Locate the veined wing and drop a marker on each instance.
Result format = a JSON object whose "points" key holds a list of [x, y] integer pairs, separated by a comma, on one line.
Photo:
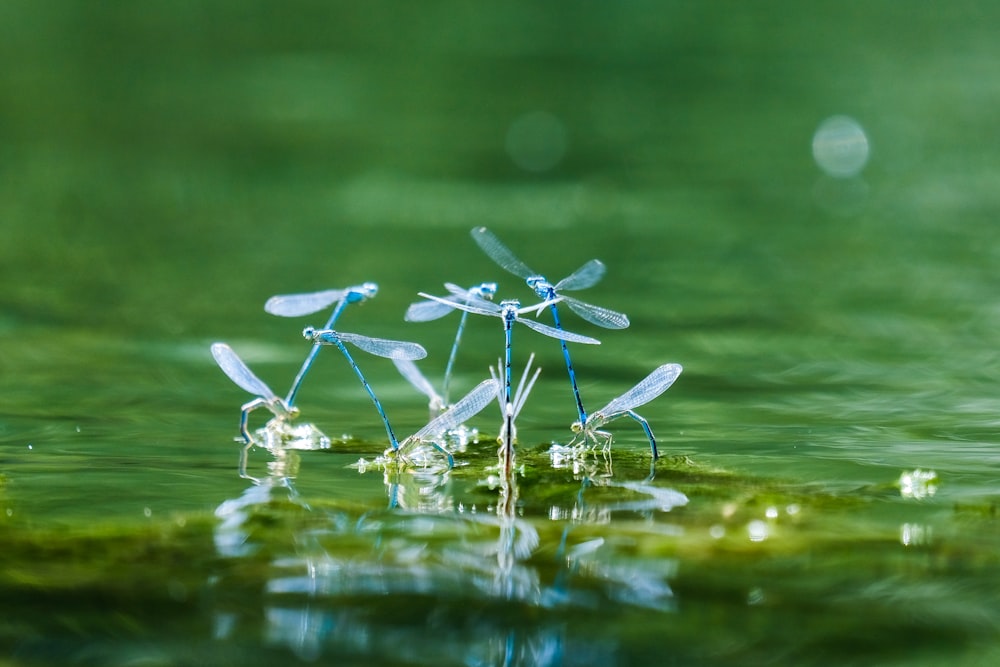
{"points": [[586, 276], [382, 347], [409, 370], [425, 311], [561, 334], [496, 374], [239, 372], [522, 391], [470, 405], [472, 305], [499, 253], [646, 390], [538, 307], [456, 291], [602, 317], [294, 305]]}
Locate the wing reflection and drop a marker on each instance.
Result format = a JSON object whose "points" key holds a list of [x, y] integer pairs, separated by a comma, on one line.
{"points": [[447, 573]]}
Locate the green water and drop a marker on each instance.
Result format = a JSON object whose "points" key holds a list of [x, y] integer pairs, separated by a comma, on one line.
{"points": [[167, 166]]}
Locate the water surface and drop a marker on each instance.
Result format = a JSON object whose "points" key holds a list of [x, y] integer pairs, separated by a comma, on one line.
{"points": [[167, 168]]}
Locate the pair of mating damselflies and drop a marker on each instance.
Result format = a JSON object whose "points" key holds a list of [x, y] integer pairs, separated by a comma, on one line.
{"points": [[287, 305], [292, 305], [474, 300], [511, 311], [480, 396], [240, 373]]}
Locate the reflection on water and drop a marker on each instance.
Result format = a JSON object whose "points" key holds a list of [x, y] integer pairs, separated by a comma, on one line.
{"points": [[279, 436], [398, 582], [833, 298]]}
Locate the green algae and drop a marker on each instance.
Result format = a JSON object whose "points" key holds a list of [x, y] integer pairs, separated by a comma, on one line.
{"points": [[724, 574]]}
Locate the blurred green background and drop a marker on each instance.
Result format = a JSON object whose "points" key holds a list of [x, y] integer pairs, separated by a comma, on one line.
{"points": [[165, 166], [154, 152]]}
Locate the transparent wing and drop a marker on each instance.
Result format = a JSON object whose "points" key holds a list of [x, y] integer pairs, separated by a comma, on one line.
{"points": [[471, 404], [425, 311], [521, 394], [381, 347], [499, 253], [409, 370], [472, 304], [496, 374], [294, 305], [602, 317], [456, 290], [649, 388], [586, 276], [239, 372], [561, 334], [538, 307]]}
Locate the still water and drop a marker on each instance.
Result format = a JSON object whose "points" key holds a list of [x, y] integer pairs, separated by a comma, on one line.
{"points": [[798, 204]]}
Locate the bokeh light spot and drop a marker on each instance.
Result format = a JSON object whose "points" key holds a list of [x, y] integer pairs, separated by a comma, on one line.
{"points": [[757, 530], [840, 147]]}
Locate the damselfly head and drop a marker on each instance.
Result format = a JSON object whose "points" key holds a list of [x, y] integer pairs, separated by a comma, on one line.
{"points": [[486, 290], [359, 293], [576, 427], [543, 288], [309, 333]]}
